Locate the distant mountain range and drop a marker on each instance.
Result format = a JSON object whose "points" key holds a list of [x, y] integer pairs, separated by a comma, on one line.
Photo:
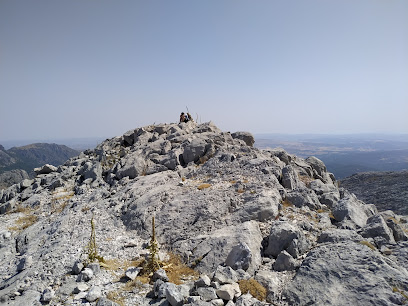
{"points": [[31, 156], [345, 155]]}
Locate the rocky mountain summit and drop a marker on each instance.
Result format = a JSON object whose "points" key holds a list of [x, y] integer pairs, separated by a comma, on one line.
{"points": [[387, 190], [18, 162], [249, 226]]}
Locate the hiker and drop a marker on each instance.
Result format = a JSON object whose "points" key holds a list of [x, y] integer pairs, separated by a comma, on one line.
{"points": [[189, 117], [184, 118]]}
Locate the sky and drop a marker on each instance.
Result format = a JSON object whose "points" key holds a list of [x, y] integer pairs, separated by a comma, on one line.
{"points": [[86, 68]]}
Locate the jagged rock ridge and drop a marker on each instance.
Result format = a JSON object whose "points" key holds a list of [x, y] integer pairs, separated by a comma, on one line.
{"points": [[230, 210]]}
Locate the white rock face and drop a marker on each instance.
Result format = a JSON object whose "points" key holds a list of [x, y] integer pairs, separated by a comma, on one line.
{"points": [[229, 210]]}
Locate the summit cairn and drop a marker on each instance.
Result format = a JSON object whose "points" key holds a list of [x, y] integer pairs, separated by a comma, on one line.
{"points": [[236, 225]]}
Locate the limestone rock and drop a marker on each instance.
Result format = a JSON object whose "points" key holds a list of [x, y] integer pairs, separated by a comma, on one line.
{"points": [[132, 272], [228, 291], [351, 209], [46, 169], [289, 178], [47, 295], [377, 227], [331, 275], [285, 262], [207, 293], [248, 138], [93, 294], [282, 237], [240, 257], [85, 275]]}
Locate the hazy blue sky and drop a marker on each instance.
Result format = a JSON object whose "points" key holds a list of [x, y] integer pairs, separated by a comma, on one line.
{"points": [[83, 68]]}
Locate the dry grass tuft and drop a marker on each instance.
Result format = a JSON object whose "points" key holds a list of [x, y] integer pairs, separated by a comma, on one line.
{"points": [[177, 271], [203, 186], [395, 289], [368, 244], [24, 222], [305, 179], [286, 203], [115, 296], [253, 287]]}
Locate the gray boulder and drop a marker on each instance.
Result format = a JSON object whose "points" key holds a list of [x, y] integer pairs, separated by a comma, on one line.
{"points": [[46, 169], [173, 295], [93, 294], [228, 292], [194, 150], [212, 249], [339, 235], [47, 295], [248, 138], [317, 165], [345, 273], [225, 275], [132, 272], [160, 274], [85, 275], [301, 198], [289, 178], [240, 257], [377, 227], [132, 167], [351, 209], [397, 231], [207, 293], [285, 262], [203, 281], [286, 236]]}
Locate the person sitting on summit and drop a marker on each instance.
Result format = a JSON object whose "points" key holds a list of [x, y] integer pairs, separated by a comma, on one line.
{"points": [[184, 118]]}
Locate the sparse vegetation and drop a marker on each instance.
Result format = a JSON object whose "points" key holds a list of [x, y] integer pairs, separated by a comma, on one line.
{"points": [[92, 249], [253, 287], [305, 179], [177, 271], [203, 186], [153, 263], [24, 222], [286, 203], [116, 297], [395, 289], [368, 244]]}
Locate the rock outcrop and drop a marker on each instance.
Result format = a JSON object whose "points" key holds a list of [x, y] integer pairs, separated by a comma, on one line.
{"points": [[230, 211]]}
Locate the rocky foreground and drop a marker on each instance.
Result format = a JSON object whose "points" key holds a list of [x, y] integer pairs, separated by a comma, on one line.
{"points": [[256, 227]]}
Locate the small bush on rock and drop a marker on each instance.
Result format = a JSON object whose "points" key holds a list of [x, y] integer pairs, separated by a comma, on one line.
{"points": [[253, 287]]}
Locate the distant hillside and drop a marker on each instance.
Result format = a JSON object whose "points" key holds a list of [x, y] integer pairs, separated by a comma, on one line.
{"points": [[387, 190], [345, 155], [34, 155], [348, 163]]}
